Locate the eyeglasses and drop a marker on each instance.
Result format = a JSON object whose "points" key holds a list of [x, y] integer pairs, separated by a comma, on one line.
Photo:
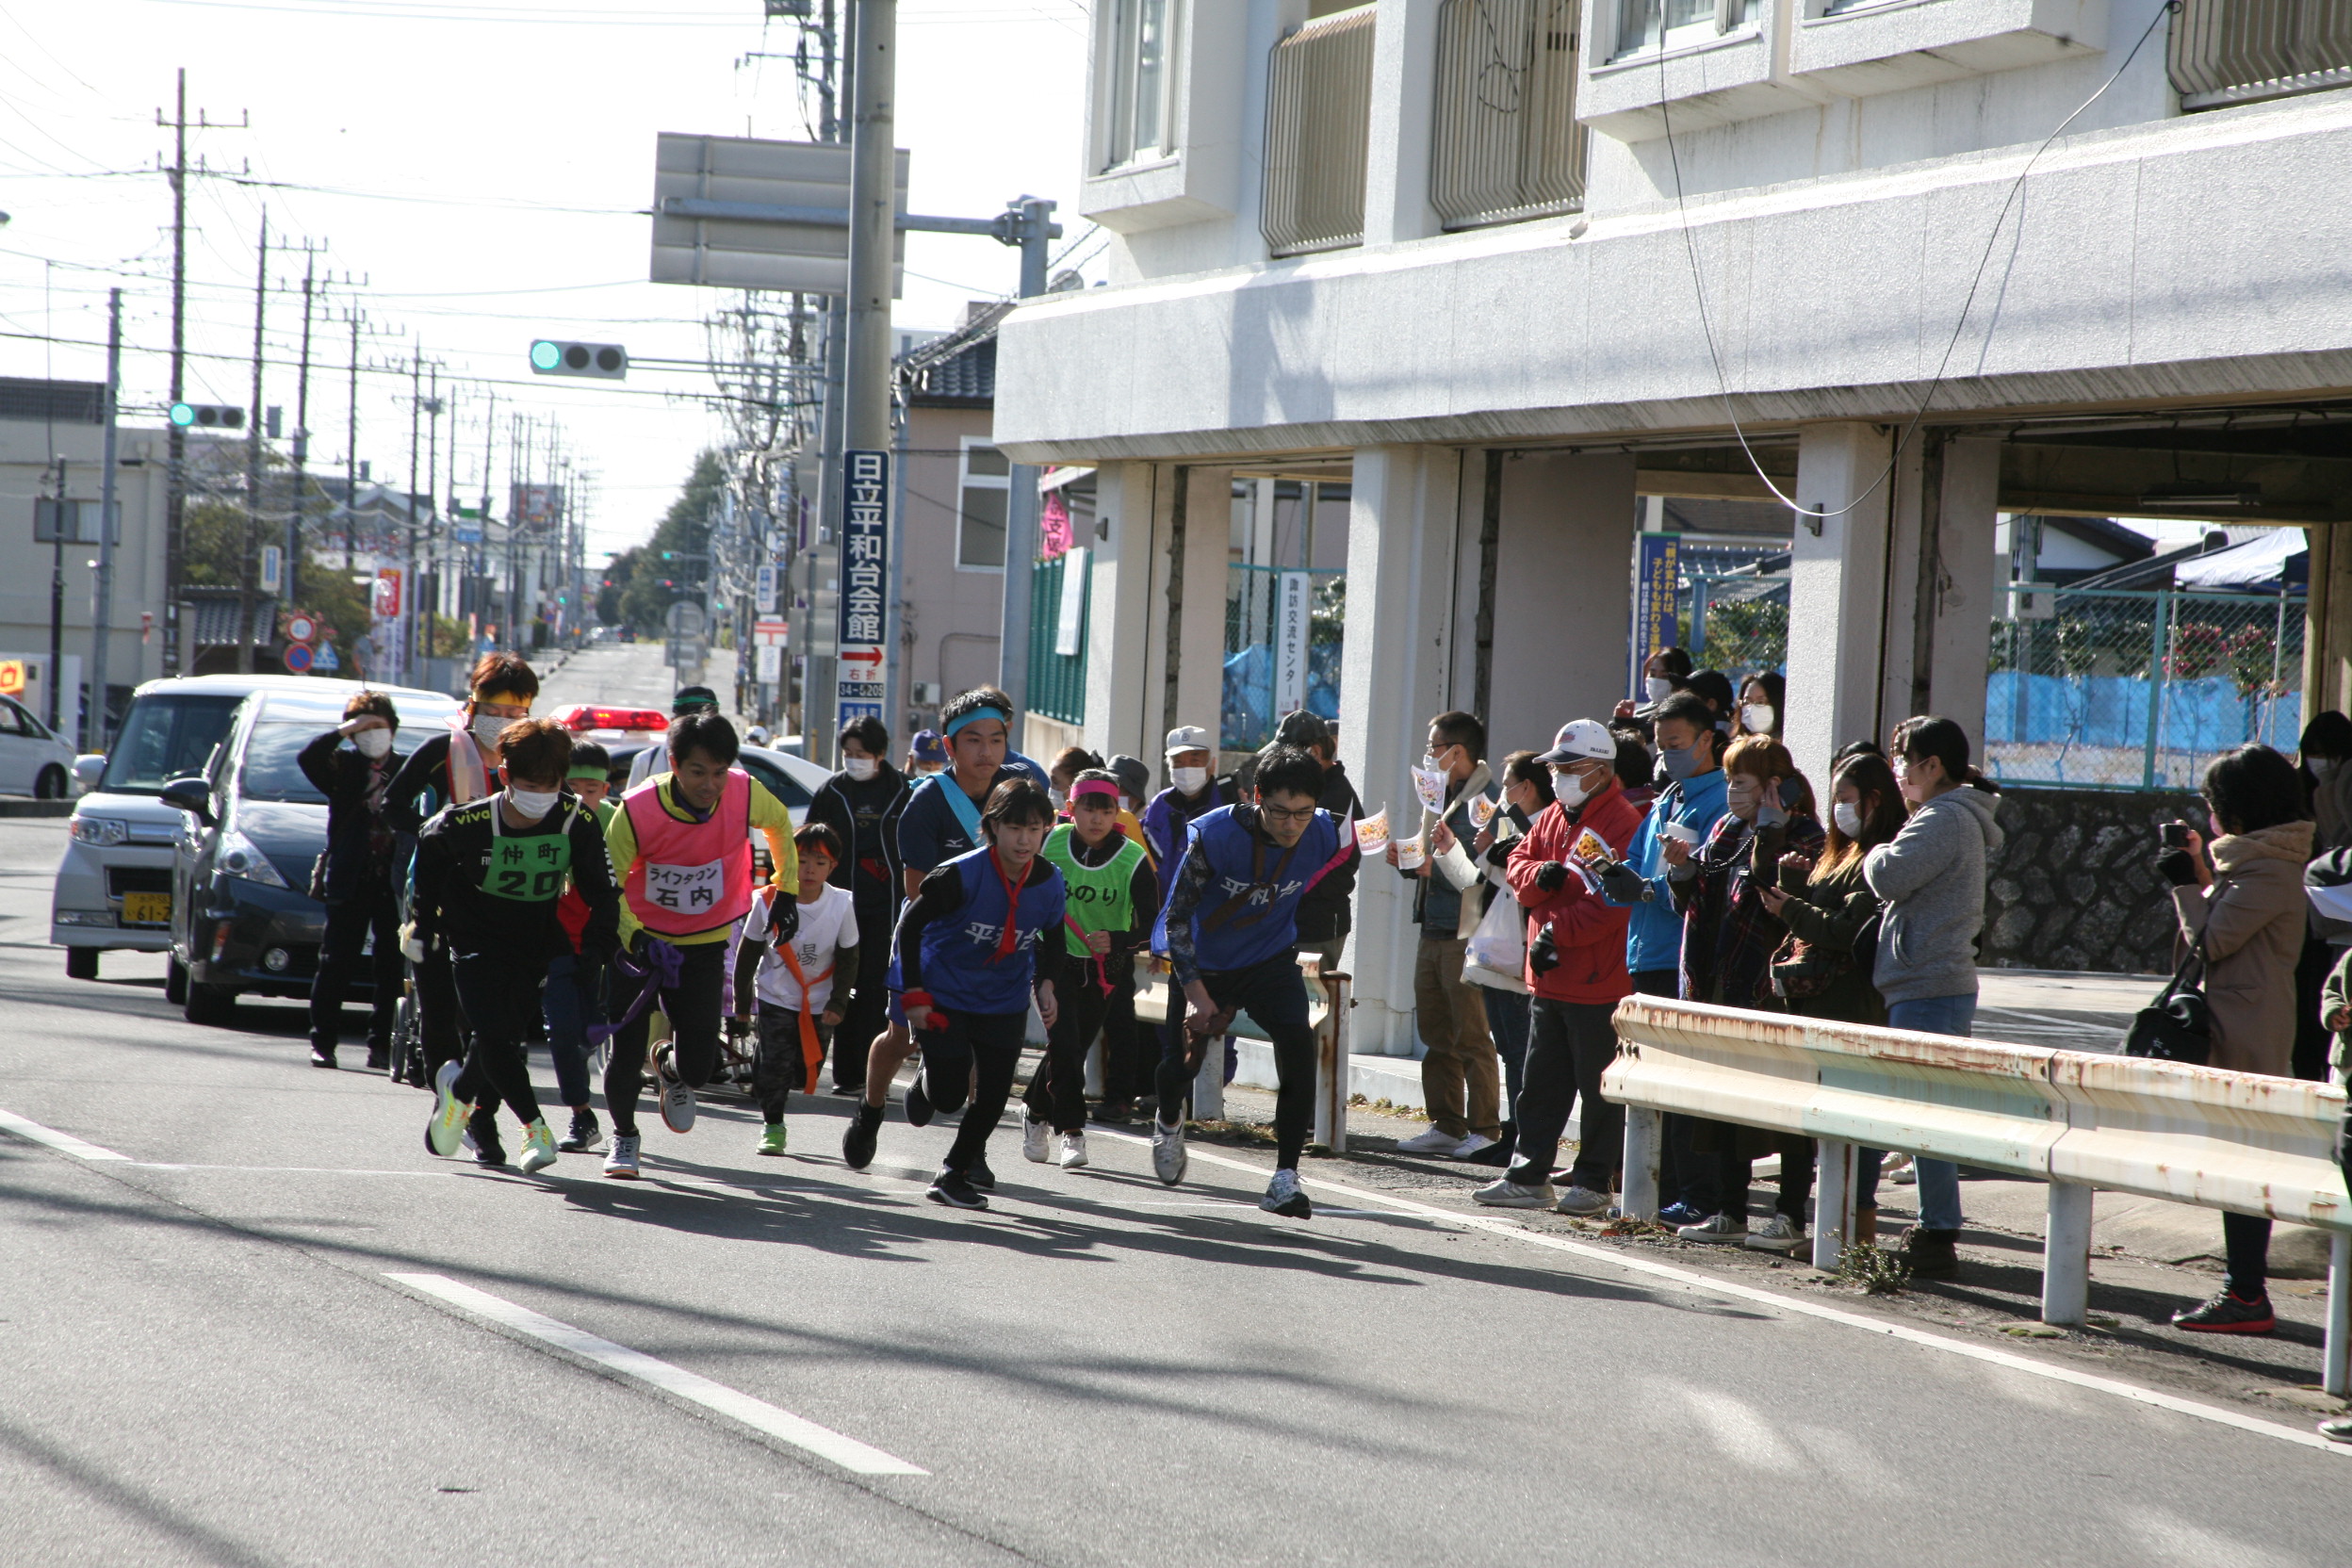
{"points": [[1284, 813]]}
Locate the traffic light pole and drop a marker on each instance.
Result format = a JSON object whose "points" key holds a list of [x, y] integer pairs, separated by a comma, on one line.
{"points": [[101, 608], [1022, 510]]}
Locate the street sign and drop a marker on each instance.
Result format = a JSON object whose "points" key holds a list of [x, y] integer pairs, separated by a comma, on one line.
{"points": [[300, 627], [465, 533], [1293, 630], [858, 687], [763, 590], [710, 174], [686, 619], [387, 593], [324, 660], [770, 666], [770, 634], [272, 563], [299, 658]]}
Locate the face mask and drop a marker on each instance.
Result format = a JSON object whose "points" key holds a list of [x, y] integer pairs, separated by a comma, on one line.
{"points": [[486, 728], [1757, 716], [2319, 765], [1188, 782], [1059, 798], [533, 803], [1680, 765], [1429, 761], [859, 768], [374, 745], [1848, 815], [1568, 788], [1658, 687]]}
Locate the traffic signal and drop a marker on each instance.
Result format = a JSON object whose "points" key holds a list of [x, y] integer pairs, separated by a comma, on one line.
{"points": [[207, 417], [607, 361]]}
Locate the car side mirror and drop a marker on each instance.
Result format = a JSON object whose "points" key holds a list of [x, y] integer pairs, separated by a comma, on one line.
{"points": [[192, 796], [89, 768]]}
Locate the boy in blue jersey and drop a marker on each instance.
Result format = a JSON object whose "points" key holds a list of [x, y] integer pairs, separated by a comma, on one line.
{"points": [[1229, 929], [981, 936]]}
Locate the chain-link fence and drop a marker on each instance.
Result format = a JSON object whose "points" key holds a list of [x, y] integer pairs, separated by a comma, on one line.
{"points": [[2117, 689], [1254, 651], [1738, 625]]}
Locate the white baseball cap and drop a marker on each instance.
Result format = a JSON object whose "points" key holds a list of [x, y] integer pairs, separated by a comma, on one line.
{"points": [[1581, 739], [1191, 737]]}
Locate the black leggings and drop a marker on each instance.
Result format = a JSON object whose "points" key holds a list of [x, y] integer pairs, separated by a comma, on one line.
{"points": [[348, 923], [988, 1041], [500, 994], [2245, 1242], [780, 1064], [1058, 1090], [693, 1007], [1274, 994], [864, 999]]}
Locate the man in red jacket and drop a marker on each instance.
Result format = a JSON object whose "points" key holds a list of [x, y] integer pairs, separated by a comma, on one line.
{"points": [[1571, 1039]]}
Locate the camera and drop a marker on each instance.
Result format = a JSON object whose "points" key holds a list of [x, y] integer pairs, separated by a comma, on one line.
{"points": [[2175, 835], [1543, 952]]}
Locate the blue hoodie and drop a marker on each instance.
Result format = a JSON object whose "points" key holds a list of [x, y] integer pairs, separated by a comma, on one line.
{"points": [[1655, 938]]}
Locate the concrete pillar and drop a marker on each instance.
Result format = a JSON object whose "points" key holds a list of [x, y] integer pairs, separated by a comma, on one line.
{"points": [[1941, 582], [1837, 590], [1121, 700], [2327, 622], [1563, 585], [1402, 555], [1195, 551], [1833, 1202], [1404, 104], [2066, 1255], [1644, 1139]]}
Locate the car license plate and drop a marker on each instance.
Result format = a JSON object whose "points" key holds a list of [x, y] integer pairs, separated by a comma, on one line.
{"points": [[146, 908]]}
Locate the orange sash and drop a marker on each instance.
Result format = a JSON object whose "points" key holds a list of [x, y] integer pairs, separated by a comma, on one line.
{"points": [[811, 1049]]}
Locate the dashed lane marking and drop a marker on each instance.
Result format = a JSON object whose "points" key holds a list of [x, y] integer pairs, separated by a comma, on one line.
{"points": [[63, 1142]]}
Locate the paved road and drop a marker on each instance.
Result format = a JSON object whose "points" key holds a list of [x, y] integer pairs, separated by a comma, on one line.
{"points": [[207, 1356], [626, 675]]}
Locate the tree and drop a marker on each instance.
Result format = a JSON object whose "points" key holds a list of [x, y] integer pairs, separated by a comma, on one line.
{"points": [[616, 581], [683, 533]]}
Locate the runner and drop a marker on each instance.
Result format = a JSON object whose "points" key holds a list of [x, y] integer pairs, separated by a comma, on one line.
{"points": [[680, 849], [1112, 896], [800, 975], [971, 951], [862, 804], [488, 875], [570, 1002], [1228, 931]]}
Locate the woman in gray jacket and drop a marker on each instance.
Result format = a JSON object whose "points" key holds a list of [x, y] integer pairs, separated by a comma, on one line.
{"points": [[1930, 881]]}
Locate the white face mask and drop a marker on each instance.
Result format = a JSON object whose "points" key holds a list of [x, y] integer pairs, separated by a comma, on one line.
{"points": [[486, 727], [2319, 765], [374, 745], [1429, 761], [533, 803], [1658, 687], [1188, 780], [1757, 716], [1848, 816], [859, 768], [1568, 788], [1059, 798]]}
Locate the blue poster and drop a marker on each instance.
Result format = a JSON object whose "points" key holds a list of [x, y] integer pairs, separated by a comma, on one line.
{"points": [[865, 576], [1655, 623]]}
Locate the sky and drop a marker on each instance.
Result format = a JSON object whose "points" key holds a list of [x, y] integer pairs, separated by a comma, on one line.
{"points": [[472, 175]]}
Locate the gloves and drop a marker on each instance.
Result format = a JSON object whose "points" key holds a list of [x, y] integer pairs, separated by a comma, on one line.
{"points": [[784, 918], [1551, 876], [1624, 885], [2175, 867], [412, 944]]}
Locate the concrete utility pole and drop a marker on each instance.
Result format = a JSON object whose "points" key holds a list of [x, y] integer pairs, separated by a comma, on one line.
{"points": [[1031, 228], [416, 406], [56, 600], [302, 452], [351, 462], [101, 608], [866, 362], [244, 629]]}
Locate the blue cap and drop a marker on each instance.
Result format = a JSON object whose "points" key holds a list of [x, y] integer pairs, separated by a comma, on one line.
{"points": [[928, 747]]}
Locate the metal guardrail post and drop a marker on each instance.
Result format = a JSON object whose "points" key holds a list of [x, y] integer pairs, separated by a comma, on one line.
{"points": [[2066, 1255], [1208, 1085], [1833, 1203], [1643, 1138], [2333, 1377], [1331, 1084]]}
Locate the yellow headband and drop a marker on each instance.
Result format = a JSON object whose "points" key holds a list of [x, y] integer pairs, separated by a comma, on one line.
{"points": [[510, 699]]}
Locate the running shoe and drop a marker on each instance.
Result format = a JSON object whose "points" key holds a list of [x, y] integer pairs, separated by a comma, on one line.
{"points": [[2228, 1314], [1441, 1143], [1514, 1194], [2338, 1429], [1723, 1230], [1283, 1196], [1777, 1233], [1037, 1140], [1073, 1150], [1472, 1146], [771, 1140], [447, 1129], [322, 1055], [1167, 1152], [677, 1101], [482, 1134], [980, 1175], [954, 1189], [1580, 1201], [860, 1136], [585, 1136], [621, 1164], [918, 1102], [1678, 1214], [538, 1148]]}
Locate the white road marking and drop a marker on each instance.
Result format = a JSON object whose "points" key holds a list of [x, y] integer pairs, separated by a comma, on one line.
{"points": [[283, 1169], [826, 1444], [1811, 1309], [64, 1142]]}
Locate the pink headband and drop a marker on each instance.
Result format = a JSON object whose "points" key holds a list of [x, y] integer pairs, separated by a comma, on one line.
{"points": [[1093, 787]]}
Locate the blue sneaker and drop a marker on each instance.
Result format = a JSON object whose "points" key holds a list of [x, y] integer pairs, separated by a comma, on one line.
{"points": [[1679, 1215]]}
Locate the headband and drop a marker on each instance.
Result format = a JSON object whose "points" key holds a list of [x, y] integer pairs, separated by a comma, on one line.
{"points": [[512, 699], [975, 716], [587, 770], [1093, 787]]}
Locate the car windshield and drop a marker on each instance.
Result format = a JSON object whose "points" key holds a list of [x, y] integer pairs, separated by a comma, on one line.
{"points": [[271, 772], [166, 735]]}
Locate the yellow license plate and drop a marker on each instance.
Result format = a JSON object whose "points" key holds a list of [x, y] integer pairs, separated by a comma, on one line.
{"points": [[146, 908]]}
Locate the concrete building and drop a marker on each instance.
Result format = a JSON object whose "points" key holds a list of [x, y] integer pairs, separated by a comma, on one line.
{"points": [[1512, 268]]}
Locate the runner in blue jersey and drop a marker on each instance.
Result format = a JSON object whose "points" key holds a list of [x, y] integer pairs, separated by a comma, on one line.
{"points": [[980, 937], [1228, 931]]}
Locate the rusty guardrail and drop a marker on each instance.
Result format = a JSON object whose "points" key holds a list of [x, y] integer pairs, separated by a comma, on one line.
{"points": [[2079, 1122]]}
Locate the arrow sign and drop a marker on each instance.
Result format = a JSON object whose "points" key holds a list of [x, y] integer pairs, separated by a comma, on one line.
{"points": [[863, 656]]}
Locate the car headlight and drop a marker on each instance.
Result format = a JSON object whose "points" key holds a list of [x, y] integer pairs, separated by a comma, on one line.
{"points": [[238, 856], [98, 831]]}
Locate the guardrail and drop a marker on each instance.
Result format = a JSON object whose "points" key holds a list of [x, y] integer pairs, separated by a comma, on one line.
{"points": [[1327, 1003], [2080, 1122]]}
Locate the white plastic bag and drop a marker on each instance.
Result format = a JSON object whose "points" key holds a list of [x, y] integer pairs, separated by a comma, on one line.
{"points": [[1496, 955]]}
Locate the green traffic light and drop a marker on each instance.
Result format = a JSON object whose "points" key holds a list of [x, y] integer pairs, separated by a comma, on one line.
{"points": [[182, 415], [546, 355]]}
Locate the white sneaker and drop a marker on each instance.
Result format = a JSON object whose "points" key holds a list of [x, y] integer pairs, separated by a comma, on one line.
{"points": [[1167, 1152], [1035, 1136], [1898, 1169], [1443, 1145], [1581, 1201], [538, 1148], [1073, 1150], [1514, 1194], [621, 1164], [447, 1128], [1729, 1230], [1475, 1143], [677, 1099], [1283, 1196], [1777, 1233]]}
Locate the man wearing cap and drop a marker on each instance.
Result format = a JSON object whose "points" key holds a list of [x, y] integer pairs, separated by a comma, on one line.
{"points": [[927, 754], [1191, 793], [690, 699], [1571, 1038], [1323, 911]]}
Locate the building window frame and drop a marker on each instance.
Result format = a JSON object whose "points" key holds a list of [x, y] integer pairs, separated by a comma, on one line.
{"points": [[980, 481], [1137, 96], [1680, 25]]}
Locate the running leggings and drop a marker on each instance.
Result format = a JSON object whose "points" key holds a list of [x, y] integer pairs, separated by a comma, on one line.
{"points": [[500, 995], [1274, 995], [1058, 1090], [693, 1007], [989, 1042]]}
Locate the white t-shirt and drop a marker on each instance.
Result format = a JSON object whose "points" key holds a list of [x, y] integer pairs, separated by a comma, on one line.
{"points": [[826, 926]]}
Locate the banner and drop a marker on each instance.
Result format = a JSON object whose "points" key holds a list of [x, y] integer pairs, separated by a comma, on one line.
{"points": [[1656, 625], [1293, 623], [1070, 614], [863, 646]]}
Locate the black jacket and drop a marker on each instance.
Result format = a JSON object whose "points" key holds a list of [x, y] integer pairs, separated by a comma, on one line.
{"points": [[361, 845], [1323, 909], [866, 816], [422, 785], [457, 850]]}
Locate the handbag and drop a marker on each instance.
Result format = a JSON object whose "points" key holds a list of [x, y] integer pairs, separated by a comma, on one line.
{"points": [[2179, 1026]]}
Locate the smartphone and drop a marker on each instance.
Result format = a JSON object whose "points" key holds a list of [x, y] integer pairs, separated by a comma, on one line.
{"points": [[2175, 835]]}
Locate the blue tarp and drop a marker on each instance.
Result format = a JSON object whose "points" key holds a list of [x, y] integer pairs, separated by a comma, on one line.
{"points": [[1248, 722], [2108, 713]]}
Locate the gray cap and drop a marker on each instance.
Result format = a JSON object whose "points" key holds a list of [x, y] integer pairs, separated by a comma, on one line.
{"points": [[1187, 737], [1133, 776]]}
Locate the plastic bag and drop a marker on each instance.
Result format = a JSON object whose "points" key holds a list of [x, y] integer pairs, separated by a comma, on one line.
{"points": [[1496, 955]]}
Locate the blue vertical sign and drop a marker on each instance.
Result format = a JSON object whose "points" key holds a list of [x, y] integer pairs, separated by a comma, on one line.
{"points": [[1656, 624], [858, 689]]}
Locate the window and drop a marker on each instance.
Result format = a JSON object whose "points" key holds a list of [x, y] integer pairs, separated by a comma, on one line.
{"points": [[1684, 22], [14, 720], [985, 492], [1140, 108], [164, 737]]}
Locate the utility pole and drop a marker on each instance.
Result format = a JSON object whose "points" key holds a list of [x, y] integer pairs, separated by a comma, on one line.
{"points": [[302, 449], [864, 478], [244, 630], [1031, 220], [102, 609], [416, 406], [351, 461], [57, 599]]}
